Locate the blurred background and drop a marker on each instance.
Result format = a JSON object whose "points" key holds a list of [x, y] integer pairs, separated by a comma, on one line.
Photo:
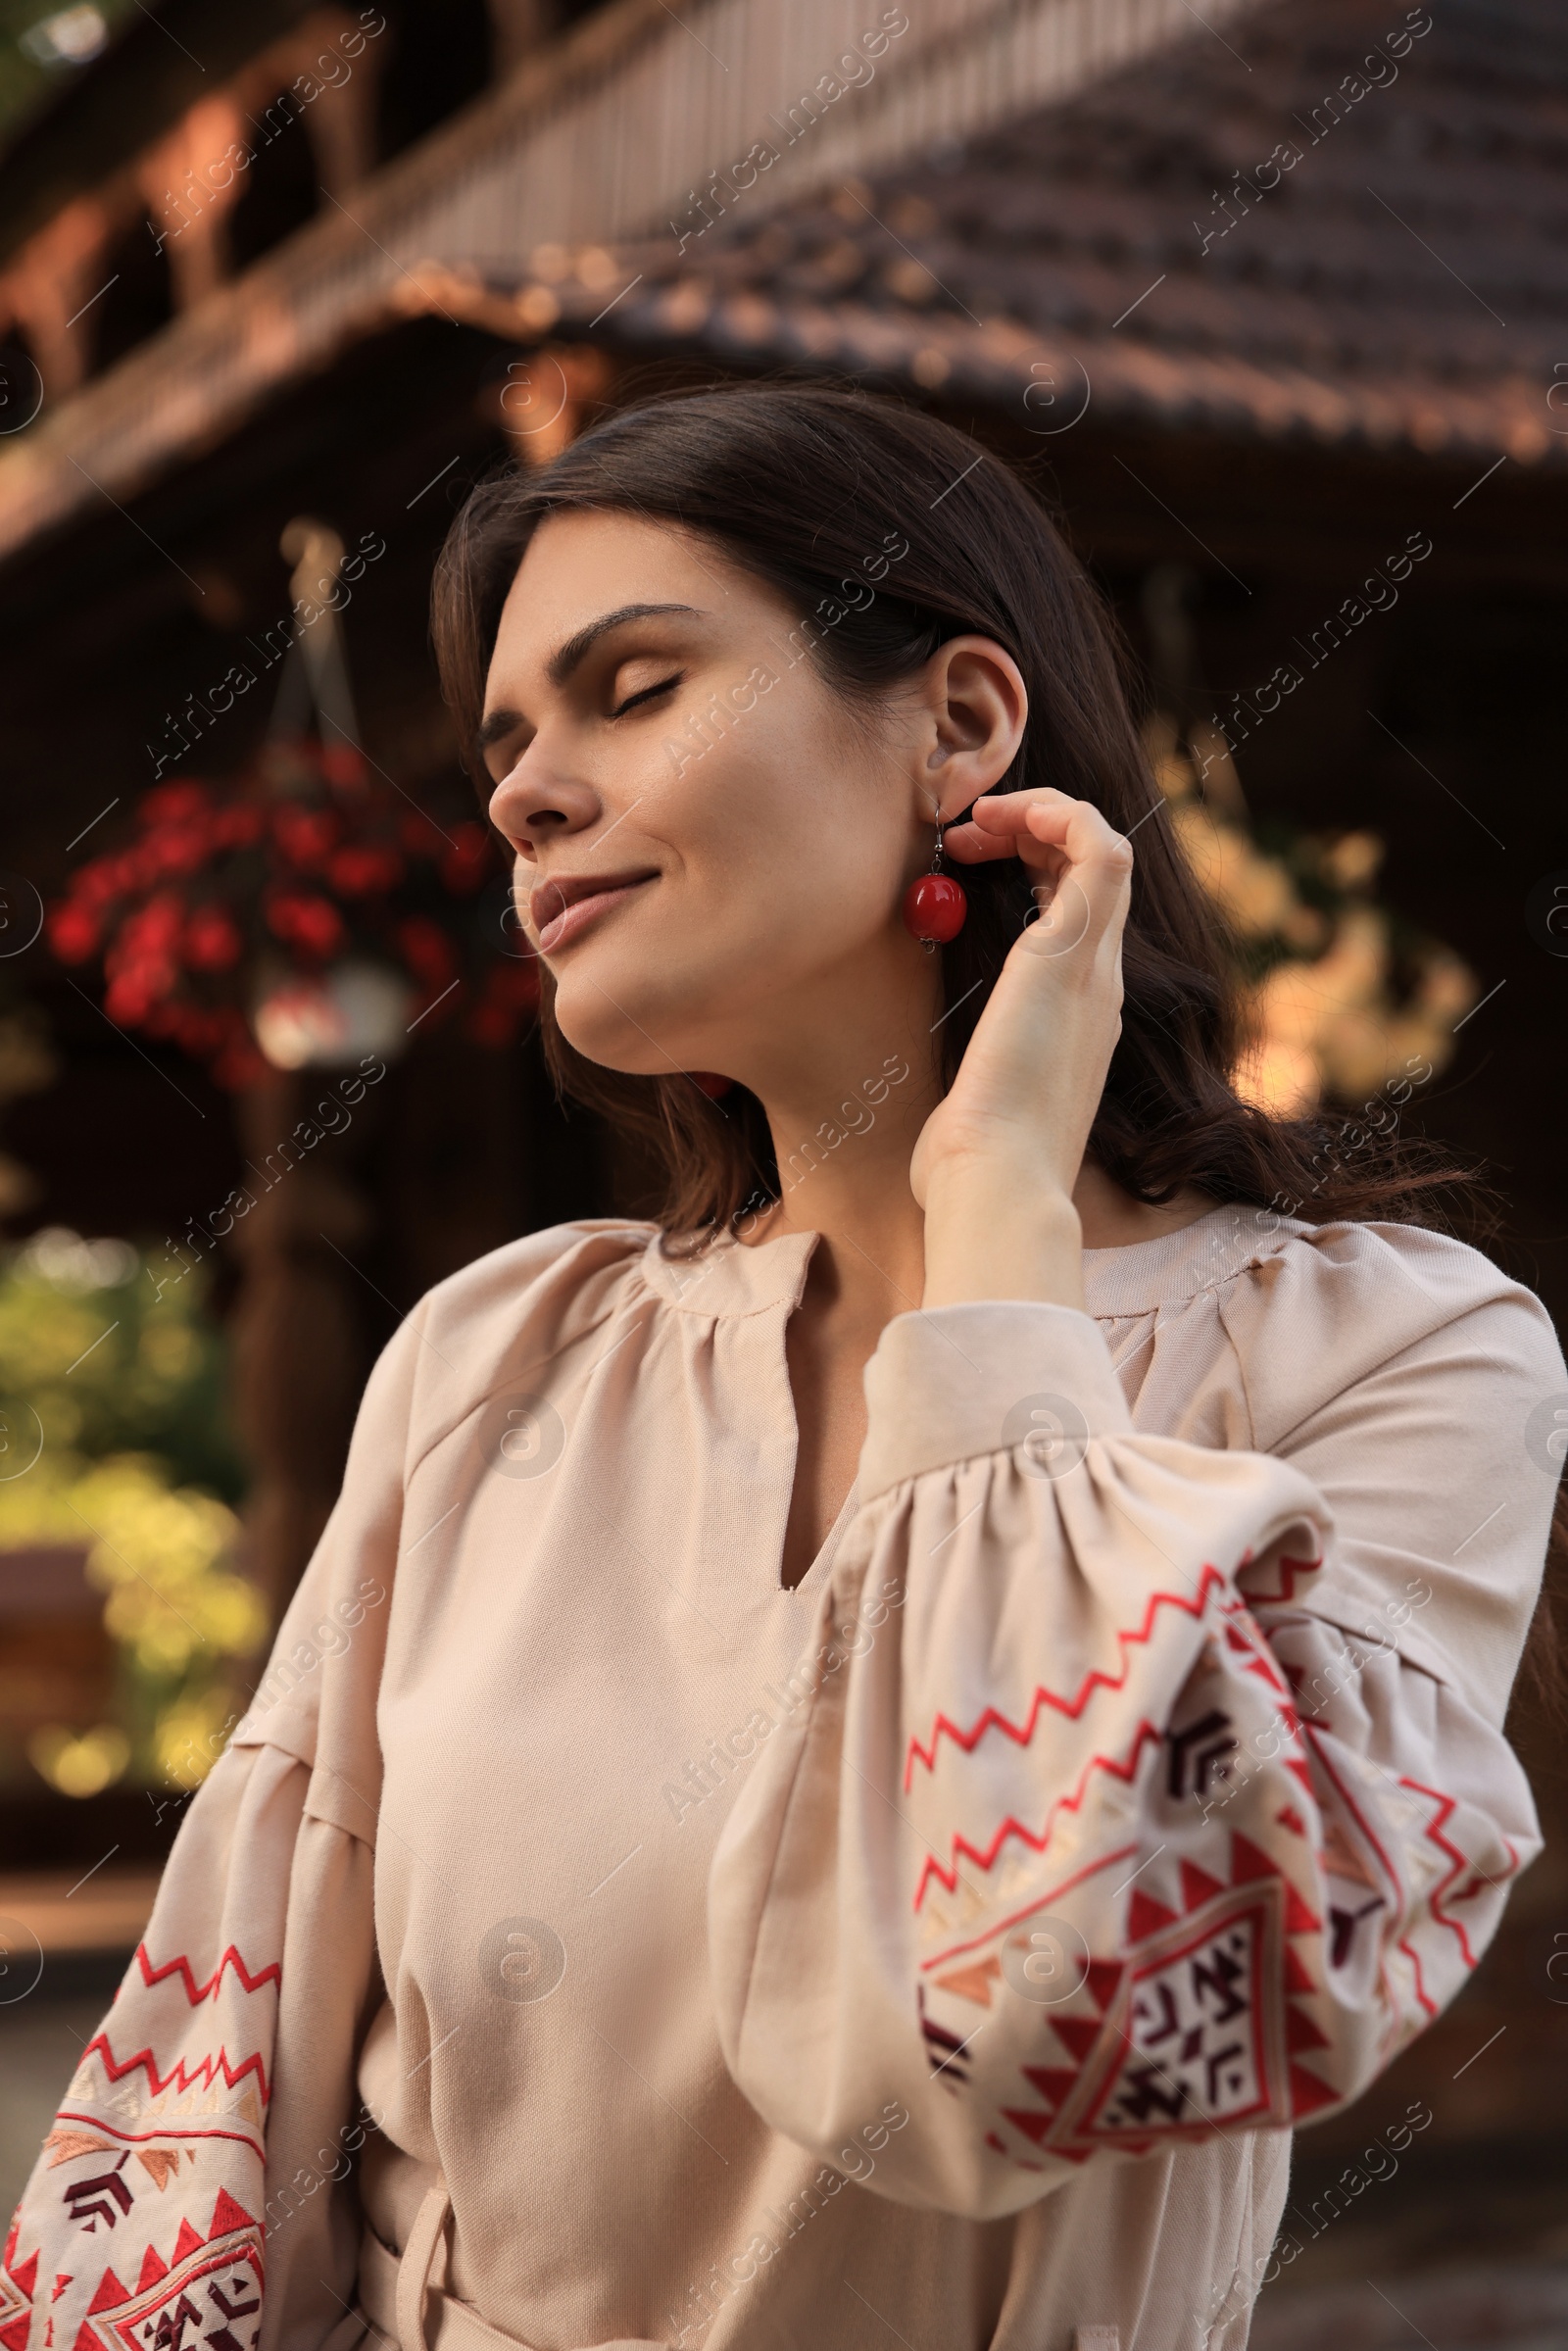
{"points": [[1267, 301]]}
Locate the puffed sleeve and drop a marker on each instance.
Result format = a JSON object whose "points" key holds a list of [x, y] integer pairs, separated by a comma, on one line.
{"points": [[205, 2143], [1090, 1833]]}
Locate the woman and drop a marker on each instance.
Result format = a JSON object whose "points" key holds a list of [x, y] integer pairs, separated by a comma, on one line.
{"points": [[851, 1759]]}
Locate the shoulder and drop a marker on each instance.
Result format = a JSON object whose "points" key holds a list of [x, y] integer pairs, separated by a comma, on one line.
{"points": [[548, 1272], [506, 1316], [1318, 1309], [502, 1318]]}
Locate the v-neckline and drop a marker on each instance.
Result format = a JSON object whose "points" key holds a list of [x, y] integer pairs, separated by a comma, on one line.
{"points": [[822, 1566]]}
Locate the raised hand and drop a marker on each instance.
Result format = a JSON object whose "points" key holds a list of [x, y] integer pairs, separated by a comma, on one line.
{"points": [[996, 1161]]}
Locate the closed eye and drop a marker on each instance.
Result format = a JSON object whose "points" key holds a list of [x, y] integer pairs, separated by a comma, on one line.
{"points": [[646, 694]]}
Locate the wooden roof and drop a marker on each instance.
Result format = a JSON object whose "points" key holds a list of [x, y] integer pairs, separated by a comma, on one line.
{"points": [[601, 136], [1147, 248], [1040, 204]]}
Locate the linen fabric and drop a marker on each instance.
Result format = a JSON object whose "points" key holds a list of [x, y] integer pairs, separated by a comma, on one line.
{"points": [[948, 1945]]}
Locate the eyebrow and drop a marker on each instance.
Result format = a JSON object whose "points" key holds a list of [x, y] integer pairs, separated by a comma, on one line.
{"points": [[569, 657]]}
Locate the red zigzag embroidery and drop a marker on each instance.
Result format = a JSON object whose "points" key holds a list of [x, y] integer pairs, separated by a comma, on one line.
{"points": [[1147, 1731], [195, 1994], [1094, 1680], [1289, 1569], [205, 2074], [1459, 1862], [1431, 1830]]}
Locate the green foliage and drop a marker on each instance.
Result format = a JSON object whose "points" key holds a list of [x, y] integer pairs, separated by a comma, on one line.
{"points": [[161, 1553], [112, 1361], [114, 1440]]}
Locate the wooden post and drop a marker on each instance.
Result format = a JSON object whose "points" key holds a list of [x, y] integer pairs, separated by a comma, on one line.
{"points": [[299, 1354]]}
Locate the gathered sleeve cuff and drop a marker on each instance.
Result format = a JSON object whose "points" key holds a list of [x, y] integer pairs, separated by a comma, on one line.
{"points": [[957, 1383], [1050, 1865]]}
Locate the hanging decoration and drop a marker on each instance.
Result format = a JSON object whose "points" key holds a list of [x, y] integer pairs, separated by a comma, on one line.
{"points": [[304, 913]]}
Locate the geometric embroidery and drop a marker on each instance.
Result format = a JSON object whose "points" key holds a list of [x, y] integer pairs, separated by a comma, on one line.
{"points": [[119, 2172], [1042, 1701], [16, 2295], [211, 2293], [973, 1983], [64, 2146], [102, 2198], [1195, 2034], [161, 2164], [1198, 2028], [1343, 1925], [943, 2049], [1201, 1749], [193, 2083], [196, 1992]]}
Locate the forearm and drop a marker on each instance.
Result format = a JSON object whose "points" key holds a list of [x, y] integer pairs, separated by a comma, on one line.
{"points": [[993, 1231]]}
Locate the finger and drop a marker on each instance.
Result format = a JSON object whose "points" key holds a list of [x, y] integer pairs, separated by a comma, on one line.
{"points": [[971, 847], [1048, 830], [1076, 826], [1085, 897], [1001, 808], [999, 826], [1084, 838], [1084, 910], [1008, 812]]}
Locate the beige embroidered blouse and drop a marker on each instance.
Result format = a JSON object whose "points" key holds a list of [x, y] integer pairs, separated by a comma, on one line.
{"points": [[939, 1951]]}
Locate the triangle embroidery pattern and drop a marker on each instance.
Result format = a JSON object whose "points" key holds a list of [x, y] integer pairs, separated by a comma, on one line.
{"points": [[1196, 2029], [209, 2291], [973, 1983], [17, 2281]]}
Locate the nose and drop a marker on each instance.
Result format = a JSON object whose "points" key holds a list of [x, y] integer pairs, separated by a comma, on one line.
{"points": [[535, 802]]}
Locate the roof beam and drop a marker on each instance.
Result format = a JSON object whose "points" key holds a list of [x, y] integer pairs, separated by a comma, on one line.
{"points": [[604, 135]]}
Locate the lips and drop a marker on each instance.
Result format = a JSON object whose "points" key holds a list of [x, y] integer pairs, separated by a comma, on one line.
{"points": [[562, 907]]}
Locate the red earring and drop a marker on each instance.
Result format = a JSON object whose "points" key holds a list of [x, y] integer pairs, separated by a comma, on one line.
{"points": [[935, 905]]}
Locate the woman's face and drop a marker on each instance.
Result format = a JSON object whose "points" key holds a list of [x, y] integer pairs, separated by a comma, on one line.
{"points": [[710, 852]]}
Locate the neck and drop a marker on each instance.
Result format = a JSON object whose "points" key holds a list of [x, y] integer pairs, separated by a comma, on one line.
{"points": [[843, 1173], [843, 1138]]}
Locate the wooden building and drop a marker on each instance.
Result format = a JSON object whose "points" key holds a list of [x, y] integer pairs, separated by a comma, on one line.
{"points": [[1261, 301]]}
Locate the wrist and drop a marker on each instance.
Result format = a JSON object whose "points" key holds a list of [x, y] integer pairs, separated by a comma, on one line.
{"points": [[995, 1233]]}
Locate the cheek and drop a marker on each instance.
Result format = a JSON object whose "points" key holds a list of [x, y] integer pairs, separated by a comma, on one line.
{"points": [[781, 854], [803, 838]]}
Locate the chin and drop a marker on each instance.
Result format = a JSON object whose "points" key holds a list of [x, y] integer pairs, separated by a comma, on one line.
{"points": [[620, 1022]]}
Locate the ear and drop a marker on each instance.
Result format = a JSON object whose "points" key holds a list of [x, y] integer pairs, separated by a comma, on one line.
{"points": [[975, 707]]}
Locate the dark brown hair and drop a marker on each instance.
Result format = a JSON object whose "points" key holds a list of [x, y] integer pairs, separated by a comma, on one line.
{"points": [[889, 532], [826, 495]]}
